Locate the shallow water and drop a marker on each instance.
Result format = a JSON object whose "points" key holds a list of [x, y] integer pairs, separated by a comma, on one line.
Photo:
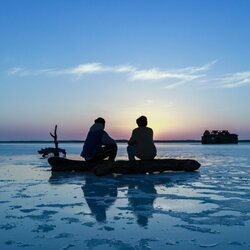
{"points": [[209, 208]]}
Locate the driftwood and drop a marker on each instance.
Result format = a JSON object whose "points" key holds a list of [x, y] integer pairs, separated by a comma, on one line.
{"points": [[46, 151], [143, 167], [54, 136], [123, 167], [55, 151]]}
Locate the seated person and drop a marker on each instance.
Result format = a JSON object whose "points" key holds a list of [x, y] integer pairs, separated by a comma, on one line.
{"points": [[98, 144], [141, 143]]}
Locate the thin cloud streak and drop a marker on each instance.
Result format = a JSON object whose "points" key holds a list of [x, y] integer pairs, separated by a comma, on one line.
{"points": [[157, 74], [235, 80], [205, 67], [25, 72], [99, 68], [183, 74], [176, 76], [82, 69]]}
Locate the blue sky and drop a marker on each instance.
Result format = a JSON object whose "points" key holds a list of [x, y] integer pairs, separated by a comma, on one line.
{"points": [[183, 64]]}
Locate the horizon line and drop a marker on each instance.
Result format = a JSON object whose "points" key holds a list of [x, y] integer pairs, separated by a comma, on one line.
{"points": [[118, 141]]}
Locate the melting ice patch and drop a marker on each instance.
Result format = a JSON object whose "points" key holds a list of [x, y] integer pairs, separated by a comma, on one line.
{"points": [[183, 205]]}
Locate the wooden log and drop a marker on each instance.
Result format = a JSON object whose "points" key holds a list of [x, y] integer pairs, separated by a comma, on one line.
{"points": [[143, 167], [59, 164], [123, 167]]}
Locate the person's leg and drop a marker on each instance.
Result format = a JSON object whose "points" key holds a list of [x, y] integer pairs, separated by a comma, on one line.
{"points": [[131, 152], [109, 151]]}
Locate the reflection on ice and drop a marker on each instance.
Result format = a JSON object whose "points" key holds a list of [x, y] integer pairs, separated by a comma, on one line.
{"points": [[99, 196]]}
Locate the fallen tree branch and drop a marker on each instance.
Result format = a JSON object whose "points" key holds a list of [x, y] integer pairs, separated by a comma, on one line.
{"points": [[55, 151]]}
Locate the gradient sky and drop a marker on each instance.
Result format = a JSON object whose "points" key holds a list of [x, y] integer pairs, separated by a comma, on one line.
{"points": [[185, 64]]}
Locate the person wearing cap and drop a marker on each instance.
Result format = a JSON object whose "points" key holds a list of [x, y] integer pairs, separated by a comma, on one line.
{"points": [[98, 144], [141, 142]]}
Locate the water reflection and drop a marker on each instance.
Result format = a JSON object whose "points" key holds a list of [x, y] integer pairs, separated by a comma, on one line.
{"points": [[200, 202], [99, 195], [141, 197], [140, 191], [67, 178]]}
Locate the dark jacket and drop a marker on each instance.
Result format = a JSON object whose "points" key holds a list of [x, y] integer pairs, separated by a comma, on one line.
{"points": [[96, 138]]}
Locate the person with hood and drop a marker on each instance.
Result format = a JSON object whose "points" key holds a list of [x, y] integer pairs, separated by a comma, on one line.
{"points": [[98, 144], [141, 142]]}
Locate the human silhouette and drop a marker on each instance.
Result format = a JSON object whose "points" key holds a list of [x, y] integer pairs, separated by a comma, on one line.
{"points": [[99, 194], [98, 144], [141, 142], [141, 197]]}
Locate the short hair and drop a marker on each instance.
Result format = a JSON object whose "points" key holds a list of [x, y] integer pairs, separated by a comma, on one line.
{"points": [[142, 121], [100, 120]]}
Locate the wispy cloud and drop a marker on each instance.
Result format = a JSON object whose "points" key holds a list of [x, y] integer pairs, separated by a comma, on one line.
{"points": [[176, 76], [82, 69], [26, 72], [203, 68], [98, 68], [172, 78], [157, 74], [182, 74], [235, 80], [149, 102]]}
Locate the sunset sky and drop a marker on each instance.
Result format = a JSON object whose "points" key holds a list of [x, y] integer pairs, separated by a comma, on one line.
{"points": [[185, 64]]}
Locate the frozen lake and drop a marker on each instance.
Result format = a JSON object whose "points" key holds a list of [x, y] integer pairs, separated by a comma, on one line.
{"points": [[209, 208]]}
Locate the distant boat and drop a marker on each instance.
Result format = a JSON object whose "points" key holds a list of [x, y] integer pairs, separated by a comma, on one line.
{"points": [[219, 137]]}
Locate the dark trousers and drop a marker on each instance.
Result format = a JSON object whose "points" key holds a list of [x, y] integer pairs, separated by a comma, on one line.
{"points": [[109, 151]]}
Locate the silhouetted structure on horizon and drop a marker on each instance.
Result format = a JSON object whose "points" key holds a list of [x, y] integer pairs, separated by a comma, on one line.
{"points": [[219, 137]]}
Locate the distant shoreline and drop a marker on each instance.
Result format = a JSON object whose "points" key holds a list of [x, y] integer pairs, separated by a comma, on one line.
{"points": [[118, 141]]}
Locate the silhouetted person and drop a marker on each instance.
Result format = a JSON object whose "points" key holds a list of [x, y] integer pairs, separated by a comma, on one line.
{"points": [[98, 144], [141, 143], [141, 198], [99, 194]]}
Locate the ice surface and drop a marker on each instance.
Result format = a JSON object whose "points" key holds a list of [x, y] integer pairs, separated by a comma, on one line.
{"points": [[208, 209]]}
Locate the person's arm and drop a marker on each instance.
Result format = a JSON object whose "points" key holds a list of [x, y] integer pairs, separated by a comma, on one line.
{"points": [[107, 140], [152, 134], [132, 140]]}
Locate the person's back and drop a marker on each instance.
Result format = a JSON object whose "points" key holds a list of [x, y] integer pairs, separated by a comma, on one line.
{"points": [[141, 143], [143, 138], [93, 142], [98, 144]]}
